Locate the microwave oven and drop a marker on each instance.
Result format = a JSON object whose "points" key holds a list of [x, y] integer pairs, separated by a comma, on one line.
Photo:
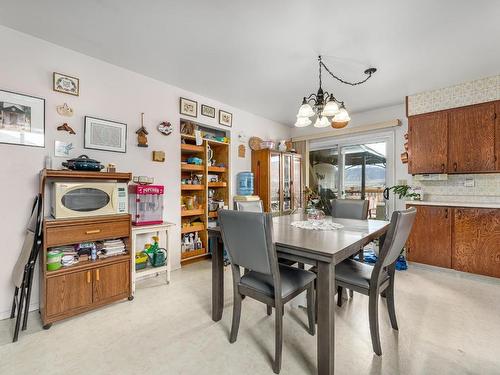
{"points": [[81, 199]]}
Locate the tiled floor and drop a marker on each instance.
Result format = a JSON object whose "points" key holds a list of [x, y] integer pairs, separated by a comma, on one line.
{"points": [[449, 324]]}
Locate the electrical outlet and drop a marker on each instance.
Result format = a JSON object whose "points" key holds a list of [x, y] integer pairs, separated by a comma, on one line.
{"points": [[469, 182]]}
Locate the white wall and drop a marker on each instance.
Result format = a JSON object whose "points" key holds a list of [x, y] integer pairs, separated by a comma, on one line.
{"points": [[109, 92], [371, 117]]}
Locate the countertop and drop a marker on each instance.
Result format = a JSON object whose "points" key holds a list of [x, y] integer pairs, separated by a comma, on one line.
{"points": [[456, 204]]}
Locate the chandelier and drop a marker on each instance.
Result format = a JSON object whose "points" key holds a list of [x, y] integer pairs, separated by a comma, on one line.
{"points": [[323, 108]]}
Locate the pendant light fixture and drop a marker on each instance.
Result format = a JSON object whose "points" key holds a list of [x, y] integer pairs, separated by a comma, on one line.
{"points": [[322, 108]]}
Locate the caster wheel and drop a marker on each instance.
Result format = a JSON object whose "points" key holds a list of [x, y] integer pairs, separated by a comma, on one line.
{"points": [[47, 326], [130, 298]]}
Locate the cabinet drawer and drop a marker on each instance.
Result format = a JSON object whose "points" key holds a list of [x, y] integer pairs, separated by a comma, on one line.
{"points": [[74, 233]]}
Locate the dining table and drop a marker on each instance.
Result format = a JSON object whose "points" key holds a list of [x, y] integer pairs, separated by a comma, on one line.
{"points": [[321, 248]]}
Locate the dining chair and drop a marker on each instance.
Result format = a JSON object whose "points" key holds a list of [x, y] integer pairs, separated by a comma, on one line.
{"points": [[247, 237], [258, 206], [373, 280]]}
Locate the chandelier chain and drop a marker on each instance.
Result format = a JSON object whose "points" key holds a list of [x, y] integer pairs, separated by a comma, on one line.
{"points": [[340, 79]]}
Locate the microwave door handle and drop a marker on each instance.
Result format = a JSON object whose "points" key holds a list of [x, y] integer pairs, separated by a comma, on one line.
{"points": [[114, 198]]}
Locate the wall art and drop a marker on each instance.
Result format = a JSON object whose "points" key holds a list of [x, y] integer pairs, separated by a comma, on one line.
{"points": [[65, 127], [188, 107], [63, 149], [165, 128], [207, 111], [105, 135], [142, 139], [65, 110], [65, 84], [22, 119], [225, 118]]}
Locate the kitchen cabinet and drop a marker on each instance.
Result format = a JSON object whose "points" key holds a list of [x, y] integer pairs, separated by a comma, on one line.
{"points": [[430, 239], [69, 292], [111, 282], [476, 241], [459, 140], [428, 143], [277, 179], [472, 139]]}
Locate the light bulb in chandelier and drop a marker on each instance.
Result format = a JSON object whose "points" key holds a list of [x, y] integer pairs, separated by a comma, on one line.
{"points": [[303, 122], [321, 122]]}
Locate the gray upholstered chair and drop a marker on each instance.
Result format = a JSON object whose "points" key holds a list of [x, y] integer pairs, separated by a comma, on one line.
{"points": [[350, 208], [249, 206], [373, 280], [247, 237]]}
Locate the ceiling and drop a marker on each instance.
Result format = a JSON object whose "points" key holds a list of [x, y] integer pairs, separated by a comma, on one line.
{"points": [[261, 56]]}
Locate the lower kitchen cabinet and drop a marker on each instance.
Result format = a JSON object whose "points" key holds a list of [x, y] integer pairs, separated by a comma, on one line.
{"points": [[111, 282], [465, 239], [476, 241], [69, 292], [430, 238]]}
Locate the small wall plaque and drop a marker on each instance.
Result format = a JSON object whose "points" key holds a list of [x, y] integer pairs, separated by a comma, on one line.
{"points": [[159, 156]]}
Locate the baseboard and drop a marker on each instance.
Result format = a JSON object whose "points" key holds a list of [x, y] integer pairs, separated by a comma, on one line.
{"points": [[6, 314]]}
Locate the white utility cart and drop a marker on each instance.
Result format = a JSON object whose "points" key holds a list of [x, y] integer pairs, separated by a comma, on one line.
{"points": [[160, 230]]}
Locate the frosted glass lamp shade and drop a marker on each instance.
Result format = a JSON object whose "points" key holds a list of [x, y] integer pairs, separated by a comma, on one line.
{"points": [[321, 122], [303, 122], [305, 110], [331, 109], [342, 116]]}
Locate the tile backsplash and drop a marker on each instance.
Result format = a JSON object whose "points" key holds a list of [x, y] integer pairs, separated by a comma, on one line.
{"points": [[486, 188]]}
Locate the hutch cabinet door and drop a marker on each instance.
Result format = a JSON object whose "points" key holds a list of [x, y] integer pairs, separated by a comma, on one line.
{"points": [[430, 238], [472, 139], [297, 182], [287, 183], [111, 281], [476, 245], [68, 292], [497, 133], [275, 181], [428, 143]]}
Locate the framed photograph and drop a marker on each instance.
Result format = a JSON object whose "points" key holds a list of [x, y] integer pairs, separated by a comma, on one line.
{"points": [[225, 118], [105, 135], [207, 111], [188, 107], [66, 84], [22, 119]]}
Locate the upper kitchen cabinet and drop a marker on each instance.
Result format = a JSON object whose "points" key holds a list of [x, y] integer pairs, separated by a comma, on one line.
{"points": [[472, 139], [428, 143], [459, 140]]}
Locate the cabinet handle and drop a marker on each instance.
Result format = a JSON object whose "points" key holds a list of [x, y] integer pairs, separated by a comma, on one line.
{"points": [[455, 166], [442, 167], [446, 213], [93, 231], [88, 277], [97, 274]]}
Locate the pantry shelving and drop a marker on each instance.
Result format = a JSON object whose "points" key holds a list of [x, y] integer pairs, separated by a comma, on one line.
{"points": [[201, 183]]}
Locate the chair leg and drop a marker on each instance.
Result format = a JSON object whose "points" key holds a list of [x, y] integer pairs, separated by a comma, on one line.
{"points": [[279, 337], [351, 293], [236, 315], [311, 310], [269, 310], [14, 303], [339, 296], [28, 298], [19, 311], [390, 305], [373, 317], [316, 300]]}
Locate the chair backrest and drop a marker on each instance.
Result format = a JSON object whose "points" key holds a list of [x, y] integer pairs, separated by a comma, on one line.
{"points": [[249, 206], [350, 208], [395, 239], [247, 237]]}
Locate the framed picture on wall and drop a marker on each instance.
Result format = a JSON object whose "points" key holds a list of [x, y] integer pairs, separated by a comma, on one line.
{"points": [[66, 84], [207, 111], [22, 119], [225, 118], [188, 107], [105, 135]]}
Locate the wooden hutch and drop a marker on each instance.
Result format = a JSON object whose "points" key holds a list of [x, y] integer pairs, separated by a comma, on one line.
{"points": [[278, 179]]}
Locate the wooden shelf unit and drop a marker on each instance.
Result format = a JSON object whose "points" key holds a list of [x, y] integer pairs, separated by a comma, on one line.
{"points": [[200, 216], [86, 285]]}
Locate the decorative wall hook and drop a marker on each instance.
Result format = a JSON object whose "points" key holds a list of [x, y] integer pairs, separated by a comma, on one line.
{"points": [[65, 110]]}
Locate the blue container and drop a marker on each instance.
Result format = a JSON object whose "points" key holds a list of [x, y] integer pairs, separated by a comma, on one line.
{"points": [[245, 183]]}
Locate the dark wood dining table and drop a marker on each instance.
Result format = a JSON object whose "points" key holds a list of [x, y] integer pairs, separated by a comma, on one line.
{"points": [[321, 248]]}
